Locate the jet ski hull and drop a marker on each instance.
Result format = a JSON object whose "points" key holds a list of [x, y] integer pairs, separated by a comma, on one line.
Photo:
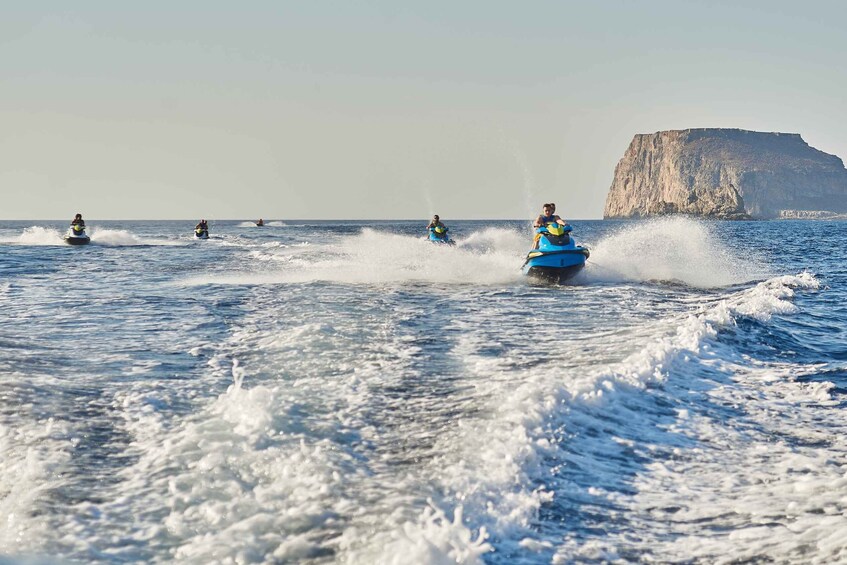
{"points": [[201, 235], [77, 240], [442, 239], [557, 258], [77, 237], [553, 275], [557, 266]]}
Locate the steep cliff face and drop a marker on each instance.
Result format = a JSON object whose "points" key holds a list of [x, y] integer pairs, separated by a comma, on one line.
{"points": [[725, 173]]}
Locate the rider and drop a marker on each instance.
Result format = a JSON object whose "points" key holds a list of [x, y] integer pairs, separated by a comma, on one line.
{"points": [[78, 221], [202, 226], [547, 216], [436, 223]]}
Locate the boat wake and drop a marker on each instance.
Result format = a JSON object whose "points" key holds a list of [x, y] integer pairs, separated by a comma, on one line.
{"points": [[414, 402], [124, 238], [676, 250], [491, 257], [521, 439], [38, 235]]}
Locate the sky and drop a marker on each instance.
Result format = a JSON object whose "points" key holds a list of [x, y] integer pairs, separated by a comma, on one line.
{"points": [[387, 109]]}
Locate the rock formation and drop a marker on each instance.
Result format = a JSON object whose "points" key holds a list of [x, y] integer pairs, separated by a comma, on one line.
{"points": [[725, 173]]}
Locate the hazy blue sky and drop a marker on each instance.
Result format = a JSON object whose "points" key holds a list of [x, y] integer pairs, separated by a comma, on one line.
{"points": [[389, 109]]}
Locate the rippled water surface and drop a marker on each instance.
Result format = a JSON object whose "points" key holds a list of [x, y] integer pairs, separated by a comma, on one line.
{"points": [[346, 392]]}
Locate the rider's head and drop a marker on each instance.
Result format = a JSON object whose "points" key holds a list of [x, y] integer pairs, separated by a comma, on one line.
{"points": [[548, 209], [78, 217]]}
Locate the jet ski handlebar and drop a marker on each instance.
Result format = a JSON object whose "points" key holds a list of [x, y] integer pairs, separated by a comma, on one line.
{"points": [[554, 228]]}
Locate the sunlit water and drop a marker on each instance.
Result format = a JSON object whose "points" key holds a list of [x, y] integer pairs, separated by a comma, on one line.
{"points": [[350, 393]]}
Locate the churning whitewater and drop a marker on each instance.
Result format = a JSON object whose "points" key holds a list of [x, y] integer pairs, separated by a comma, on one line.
{"points": [[348, 392]]}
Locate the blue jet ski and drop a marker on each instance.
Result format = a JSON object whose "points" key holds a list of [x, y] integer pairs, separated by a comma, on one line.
{"points": [[557, 258], [200, 233], [438, 234], [76, 235]]}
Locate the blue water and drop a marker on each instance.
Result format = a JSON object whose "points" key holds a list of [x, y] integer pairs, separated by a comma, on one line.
{"points": [[346, 392]]}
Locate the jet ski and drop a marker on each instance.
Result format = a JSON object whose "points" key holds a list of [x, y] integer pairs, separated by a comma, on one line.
{"points": [[557, 257], [260, 222], [200, 233], [438, 234], [76, 235]]}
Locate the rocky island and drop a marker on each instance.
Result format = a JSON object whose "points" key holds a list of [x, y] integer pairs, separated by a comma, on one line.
{"points": [[727, 174]]}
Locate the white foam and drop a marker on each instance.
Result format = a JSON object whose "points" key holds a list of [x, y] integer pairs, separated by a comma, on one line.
{"points": [[372, 257], [267, 470], [497, 241], [432, 538], [495, 461], [32, 457], [232, 482], [38, 235], [672, 249], [500, 480], [274, 224], [669, 249], [288, 463], [118, 238], [764, 483]]}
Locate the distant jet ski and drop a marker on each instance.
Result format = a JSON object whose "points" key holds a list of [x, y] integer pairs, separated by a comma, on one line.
{"points": [[76, 235], [200, 233], [438, 234], [260, 222], [557, 257]]}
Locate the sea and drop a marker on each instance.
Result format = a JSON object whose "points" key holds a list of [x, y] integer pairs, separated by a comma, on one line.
{"points": [[347, 392]]}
